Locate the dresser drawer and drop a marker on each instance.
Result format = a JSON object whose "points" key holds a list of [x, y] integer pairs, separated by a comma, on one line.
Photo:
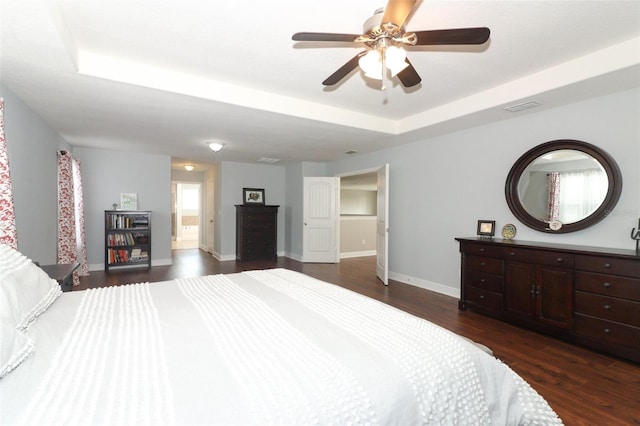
{"points": [[484, 281], [481, 297], [608, 285], [488, 265], [481, 249], [607, 331], [565, 260], [610, 308], [607, 265]]}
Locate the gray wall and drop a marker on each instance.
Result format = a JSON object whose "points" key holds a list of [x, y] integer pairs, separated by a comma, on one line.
{"points": [[235, 176], [295, 174], [106, 174], [32, 149], [461, 178]]}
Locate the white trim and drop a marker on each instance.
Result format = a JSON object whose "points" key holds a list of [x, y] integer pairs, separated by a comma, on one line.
{"points": [[161, 262], [349, 254], [427, 285], [358, 217], [158, 262], [293, 256]]}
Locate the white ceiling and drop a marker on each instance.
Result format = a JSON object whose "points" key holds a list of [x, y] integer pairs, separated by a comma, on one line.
{"points": [[228, 70]]}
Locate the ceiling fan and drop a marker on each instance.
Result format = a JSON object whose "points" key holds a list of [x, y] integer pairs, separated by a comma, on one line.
{"points": [[384, 35]]}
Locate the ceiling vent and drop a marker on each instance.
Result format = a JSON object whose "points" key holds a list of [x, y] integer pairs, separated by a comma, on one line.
{"points": [[268, 160], [523, 106], [351, 152]]}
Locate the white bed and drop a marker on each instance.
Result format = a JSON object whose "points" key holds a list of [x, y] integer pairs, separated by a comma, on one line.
{"points": [[261, 347]]}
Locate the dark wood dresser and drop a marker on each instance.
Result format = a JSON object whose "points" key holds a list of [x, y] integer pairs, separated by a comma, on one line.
{"points": [[256, 232], [585, 295]]}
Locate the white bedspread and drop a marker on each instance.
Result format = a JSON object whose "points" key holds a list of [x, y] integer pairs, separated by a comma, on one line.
{"points": [[261, 347]]}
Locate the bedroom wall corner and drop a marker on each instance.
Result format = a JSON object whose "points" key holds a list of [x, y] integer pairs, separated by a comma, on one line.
{"points": [[461, 177], [148, 175], [31, 148]]}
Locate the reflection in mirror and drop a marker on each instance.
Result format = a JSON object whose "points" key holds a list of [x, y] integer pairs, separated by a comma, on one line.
{"points": [[564, 185]]}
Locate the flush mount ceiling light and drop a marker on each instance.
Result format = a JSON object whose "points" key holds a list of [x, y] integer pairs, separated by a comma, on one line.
{"points": [[188, 167], [215, 146]]}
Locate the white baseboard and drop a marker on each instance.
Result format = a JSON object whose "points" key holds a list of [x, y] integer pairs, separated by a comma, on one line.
{"points": [[158, 262], [349, 254], [427, 285], [161, 262], [293, 256]]}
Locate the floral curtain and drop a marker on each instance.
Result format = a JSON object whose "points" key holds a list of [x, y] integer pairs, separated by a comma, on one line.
{"points": [[71, 237], [8, 232], [553, 203]]}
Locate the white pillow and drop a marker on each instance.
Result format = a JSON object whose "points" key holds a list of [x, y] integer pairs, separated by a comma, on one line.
{"points": [[15, 347], [26, 291]]}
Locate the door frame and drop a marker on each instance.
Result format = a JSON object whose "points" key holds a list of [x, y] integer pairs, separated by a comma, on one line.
{"points": [[174, 208], [362, 172]]}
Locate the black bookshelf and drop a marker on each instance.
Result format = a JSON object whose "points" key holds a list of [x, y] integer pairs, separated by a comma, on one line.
{"points": [[127, 239]]}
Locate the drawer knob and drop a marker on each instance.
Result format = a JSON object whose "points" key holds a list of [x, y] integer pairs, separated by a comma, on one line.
{"points": [[607, 331], [482, 250], [482, 296], [607, 265], [606, 285], [512, 254], [559, 259], [607, 307], [483, 264], [482, 280]]}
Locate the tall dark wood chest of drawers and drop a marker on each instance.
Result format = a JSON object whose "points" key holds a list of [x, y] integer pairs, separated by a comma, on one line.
{"points": [[585, 295], [256, 232]]}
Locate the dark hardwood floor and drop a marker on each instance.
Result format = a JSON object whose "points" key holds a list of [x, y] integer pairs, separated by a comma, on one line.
{"points": [[583, 387]]}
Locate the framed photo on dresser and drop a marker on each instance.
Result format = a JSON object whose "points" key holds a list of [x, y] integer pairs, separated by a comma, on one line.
{"points": [[254, 196]]}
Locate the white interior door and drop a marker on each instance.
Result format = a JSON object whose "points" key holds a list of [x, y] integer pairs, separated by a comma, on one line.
{"points": [[382, 228], [210, 215], [320, 220]]}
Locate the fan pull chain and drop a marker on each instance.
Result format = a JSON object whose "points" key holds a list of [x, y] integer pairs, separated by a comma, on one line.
{"points": [[383, 55]]}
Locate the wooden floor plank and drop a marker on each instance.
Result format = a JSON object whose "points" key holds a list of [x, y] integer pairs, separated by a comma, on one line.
{"points": [[583, 386]]}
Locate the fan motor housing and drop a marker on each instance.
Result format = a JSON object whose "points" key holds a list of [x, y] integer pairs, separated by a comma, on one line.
{"points": [[374, 28]]}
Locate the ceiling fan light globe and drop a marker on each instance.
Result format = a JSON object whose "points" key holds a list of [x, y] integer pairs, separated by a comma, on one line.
{"points": [[397, 68], [371, 64], [376, 75]]}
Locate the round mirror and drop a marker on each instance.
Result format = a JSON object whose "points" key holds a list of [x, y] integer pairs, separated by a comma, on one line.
{"points": [[563, 186]]}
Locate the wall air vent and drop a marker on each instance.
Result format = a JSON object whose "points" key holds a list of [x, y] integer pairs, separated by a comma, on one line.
{"points": [[351, 152], [268, 160], [522, 106]]}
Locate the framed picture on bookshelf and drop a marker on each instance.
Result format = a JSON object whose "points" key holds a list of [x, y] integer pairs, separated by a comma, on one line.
{"points": [[128, 201], [253, 196]]}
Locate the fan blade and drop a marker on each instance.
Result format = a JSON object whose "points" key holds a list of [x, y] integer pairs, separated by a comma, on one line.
{"points": [[342, 71], [325, 37], [453, 36], [397, 11], [409, 76]]}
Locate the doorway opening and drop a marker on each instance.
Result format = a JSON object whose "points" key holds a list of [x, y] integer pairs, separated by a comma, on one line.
{"points": [[185, 215]]}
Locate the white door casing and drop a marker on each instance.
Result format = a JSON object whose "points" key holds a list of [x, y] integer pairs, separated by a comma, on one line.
{"points": [[210, 215], [321, 210], [382, 227]]}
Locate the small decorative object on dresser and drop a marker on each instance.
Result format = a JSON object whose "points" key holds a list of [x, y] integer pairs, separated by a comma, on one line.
{"points": [[585, 295], [508, 231], [635, 235], [253, 196], [486, 228]]}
